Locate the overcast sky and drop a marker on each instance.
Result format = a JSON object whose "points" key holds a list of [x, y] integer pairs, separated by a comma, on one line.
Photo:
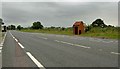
{"points": [[59, 13]]}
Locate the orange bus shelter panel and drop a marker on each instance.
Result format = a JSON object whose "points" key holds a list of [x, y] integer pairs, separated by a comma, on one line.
{"points": [[78, 28]]}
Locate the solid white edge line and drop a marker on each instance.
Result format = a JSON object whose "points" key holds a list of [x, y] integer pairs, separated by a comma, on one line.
{"points": [[11, 34], [35, 60], [21, 45]]}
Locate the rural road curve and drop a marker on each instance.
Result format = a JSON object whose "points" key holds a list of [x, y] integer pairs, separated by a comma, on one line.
{"points": [[22, 49]]}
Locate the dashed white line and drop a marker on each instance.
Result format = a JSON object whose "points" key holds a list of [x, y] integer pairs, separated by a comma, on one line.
{"points": [[11, 34], [0, 51], [13, 37], [57, 40], [45, 38], [16, 40], [72, 44], [81, 46], [115, 53], [67, 43], [35, 60], [0, 48], [30, 55], [20, 45]]}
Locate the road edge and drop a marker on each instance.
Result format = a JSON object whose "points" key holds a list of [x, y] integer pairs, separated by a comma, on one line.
{"points": [[1, 46]]}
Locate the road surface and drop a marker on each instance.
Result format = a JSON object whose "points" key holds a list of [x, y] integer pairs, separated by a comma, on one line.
{"points": [[22, 49]]}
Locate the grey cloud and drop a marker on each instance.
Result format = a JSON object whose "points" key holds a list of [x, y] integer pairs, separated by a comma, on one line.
{"points": [[58, 13]]}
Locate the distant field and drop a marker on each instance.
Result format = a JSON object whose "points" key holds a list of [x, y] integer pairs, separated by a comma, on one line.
{"points": [[109, 33]]}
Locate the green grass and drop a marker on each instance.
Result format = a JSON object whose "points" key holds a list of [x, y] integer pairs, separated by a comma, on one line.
{"points": [[65, 32], [109, 33]]}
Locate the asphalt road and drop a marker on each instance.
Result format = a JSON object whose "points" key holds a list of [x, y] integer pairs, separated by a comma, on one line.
{"points": [[23, 49]]}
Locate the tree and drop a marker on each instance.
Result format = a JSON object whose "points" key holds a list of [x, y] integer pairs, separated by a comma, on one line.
{"points": [[11, 27], [110, 26], [98, 23], [52, 27], [63, 28], [19, 27], [88, 28], [37, 25], [1, 22]]}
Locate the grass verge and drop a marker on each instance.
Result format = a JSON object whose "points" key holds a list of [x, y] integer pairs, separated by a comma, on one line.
{"points": [[104, 33]]}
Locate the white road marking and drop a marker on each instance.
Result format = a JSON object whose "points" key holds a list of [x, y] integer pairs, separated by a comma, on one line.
{"points": [[57, 40], [81, 46], [0, 48], [72, 44], [4, 38], [16, 40], [20, 45], [11, 34], [115, 53], [1, 44], [13, 37], [67, 43], [35, 60], [45, 38]]}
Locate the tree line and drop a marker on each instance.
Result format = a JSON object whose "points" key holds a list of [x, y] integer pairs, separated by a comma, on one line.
{"points": [[37, 25]]}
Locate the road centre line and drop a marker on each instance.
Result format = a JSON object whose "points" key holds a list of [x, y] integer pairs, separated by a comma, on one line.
{"points": [[67, 43], [45, 38], [20, 45], [72, 44], [56, 40], [115, 53], [35, 60], [81, 46]]}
